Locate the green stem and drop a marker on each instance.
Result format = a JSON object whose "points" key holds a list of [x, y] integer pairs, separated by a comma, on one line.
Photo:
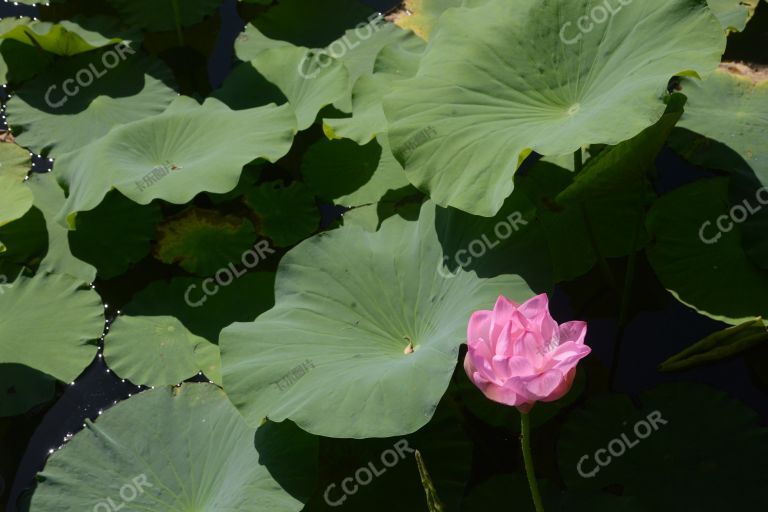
{"points": [[625, 296], [177, 15], [578, 162], [578, 165], [525, 441]]}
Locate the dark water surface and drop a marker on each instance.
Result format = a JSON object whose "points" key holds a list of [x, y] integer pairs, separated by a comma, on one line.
{"points": [[649, 338]]}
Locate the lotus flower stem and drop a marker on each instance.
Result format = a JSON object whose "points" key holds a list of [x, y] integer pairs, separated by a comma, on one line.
{"points": [[578, 162], [578, 165], [525, 441], [177, 16]]}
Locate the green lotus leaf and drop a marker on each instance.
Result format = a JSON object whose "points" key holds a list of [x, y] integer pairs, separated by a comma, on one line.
{"points": [[287, 215], [22, 388], [207, 314], [65, 37], [376, 323], [311, 24], [62, 348], [49, 200], [192, 452], [733, 14], [15, 196], [404, 202], [25, 241], [608, 171], [155, 350], [579, 234], [395, 62], [357, 50], [188, 149], [114, 235], [156, 16], [693, 256], [719, 345], [366, 178], [498, 81], [711, 154], [57, 113], [731, 106], [512, 242], [708, 153], [245, 88], [420, 16], [20, 62], [308, 84], [208, 359], [599, 212], [334, 169], [687, 446], [251, 42], [203, 241]]}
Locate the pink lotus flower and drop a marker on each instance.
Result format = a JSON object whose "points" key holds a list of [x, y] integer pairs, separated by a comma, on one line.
{"points": [[518, 355]]}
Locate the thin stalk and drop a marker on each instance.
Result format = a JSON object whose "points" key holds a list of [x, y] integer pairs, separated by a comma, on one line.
{"points": [[578, 165], [578, 162], [629, 278], [525, 441], [177, 16]]}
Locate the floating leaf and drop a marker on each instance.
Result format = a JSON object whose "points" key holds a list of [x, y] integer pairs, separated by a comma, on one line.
{"points": [[396, 61], [79, 99], [731, 106], [251, 42], [308, 86], [420, 16], [245, 88], [15, 196], [356, 339], [206, 314], [22, 388], [365, 178], [733, 14], [65, 37], [193, 451], [114, 235], [700, 262], [20, 62], [311, 24], [60, 348], [188, 149], [49, 199], [498, 81], [287, 215], [357, 50], [156, 351], [203, 241]]}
